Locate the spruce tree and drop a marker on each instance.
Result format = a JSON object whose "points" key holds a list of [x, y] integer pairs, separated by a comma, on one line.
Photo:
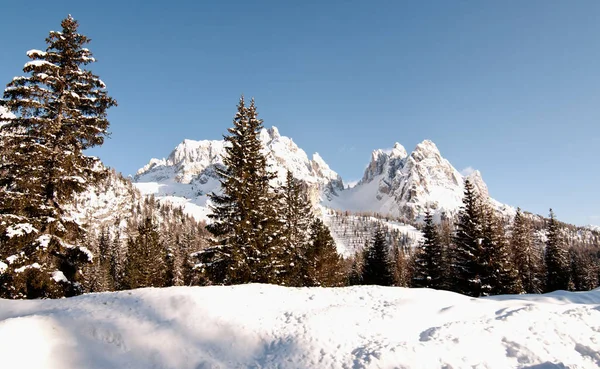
{"points": [[468, 244], [355, 275], [97, 277], [584, 269], [499, 275], [556, 258], [322, 264], [245, 225], [446, 239], [117, 262], [377, 268], [402, 265], [527, 258], [296, 218], [146, 255], [59, 111], [429, 259]]}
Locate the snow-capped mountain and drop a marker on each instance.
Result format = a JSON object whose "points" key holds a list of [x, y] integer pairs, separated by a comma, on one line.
{"points": [[189, 172], [394, 183], [403, 185]]}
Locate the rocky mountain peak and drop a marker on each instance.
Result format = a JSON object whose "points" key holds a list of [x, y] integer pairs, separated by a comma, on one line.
{"points": [[406, 185], [477, 181], [193, 163], [395, 182], [424, 150], [398, 151]]}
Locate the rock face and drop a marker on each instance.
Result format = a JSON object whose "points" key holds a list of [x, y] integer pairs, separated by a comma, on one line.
{"points": [[404, 185], [190, 170]]}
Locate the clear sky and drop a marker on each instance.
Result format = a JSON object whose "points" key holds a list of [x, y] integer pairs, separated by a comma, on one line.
{"points": [[511, 88]]}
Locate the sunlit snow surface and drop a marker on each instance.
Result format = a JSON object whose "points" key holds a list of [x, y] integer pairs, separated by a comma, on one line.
{"points": [[262, 326]]}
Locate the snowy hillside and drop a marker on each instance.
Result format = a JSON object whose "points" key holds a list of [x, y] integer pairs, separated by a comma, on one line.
{"points": [[350, 232], [264, 326], [109, 202], [188, 174]]}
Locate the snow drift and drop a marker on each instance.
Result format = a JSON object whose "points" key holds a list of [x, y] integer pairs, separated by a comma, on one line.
{"points": [[263, 326]]}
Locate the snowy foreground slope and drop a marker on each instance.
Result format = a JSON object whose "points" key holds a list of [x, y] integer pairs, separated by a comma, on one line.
{"points": [[263, 326]]}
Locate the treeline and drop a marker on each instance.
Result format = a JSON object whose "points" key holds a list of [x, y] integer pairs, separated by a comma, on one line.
{"points": [[480, 254]]}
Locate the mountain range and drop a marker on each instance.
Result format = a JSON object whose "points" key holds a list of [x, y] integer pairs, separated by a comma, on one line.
{"points": [[395, 183]]}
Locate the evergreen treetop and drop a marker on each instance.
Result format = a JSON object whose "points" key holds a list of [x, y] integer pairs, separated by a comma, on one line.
{"points": [[468, 244], [429, 261], [322, 264], [377, 268], [526, 257], [556, 258]]}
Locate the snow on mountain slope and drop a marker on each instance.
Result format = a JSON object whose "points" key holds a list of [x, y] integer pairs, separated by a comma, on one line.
{"points": [[189, 173], [110, 201], [351, 232], [403, 185], [265, 326]]}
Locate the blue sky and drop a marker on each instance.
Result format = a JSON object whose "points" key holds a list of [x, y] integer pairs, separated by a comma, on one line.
{"points": [[511, 88]]}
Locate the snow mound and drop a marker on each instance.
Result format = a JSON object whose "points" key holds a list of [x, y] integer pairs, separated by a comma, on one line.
{"points": [[263, 326]]}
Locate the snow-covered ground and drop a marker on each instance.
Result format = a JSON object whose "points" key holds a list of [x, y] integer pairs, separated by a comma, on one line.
{"points": [[263, 326]]}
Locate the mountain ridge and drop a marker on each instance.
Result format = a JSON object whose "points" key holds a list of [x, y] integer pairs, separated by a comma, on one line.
{"points": [[395, 182]]}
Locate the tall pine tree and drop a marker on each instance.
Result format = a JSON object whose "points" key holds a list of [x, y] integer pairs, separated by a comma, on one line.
{"points": [[468, 245], [429, 260], [296, 218], [322, 264], [377, 267], [245, 225], [499, 275], [146, 258], [60, 111], [355, 275], [556, 257], [584, 269], [527, 258], [446, 239]]}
